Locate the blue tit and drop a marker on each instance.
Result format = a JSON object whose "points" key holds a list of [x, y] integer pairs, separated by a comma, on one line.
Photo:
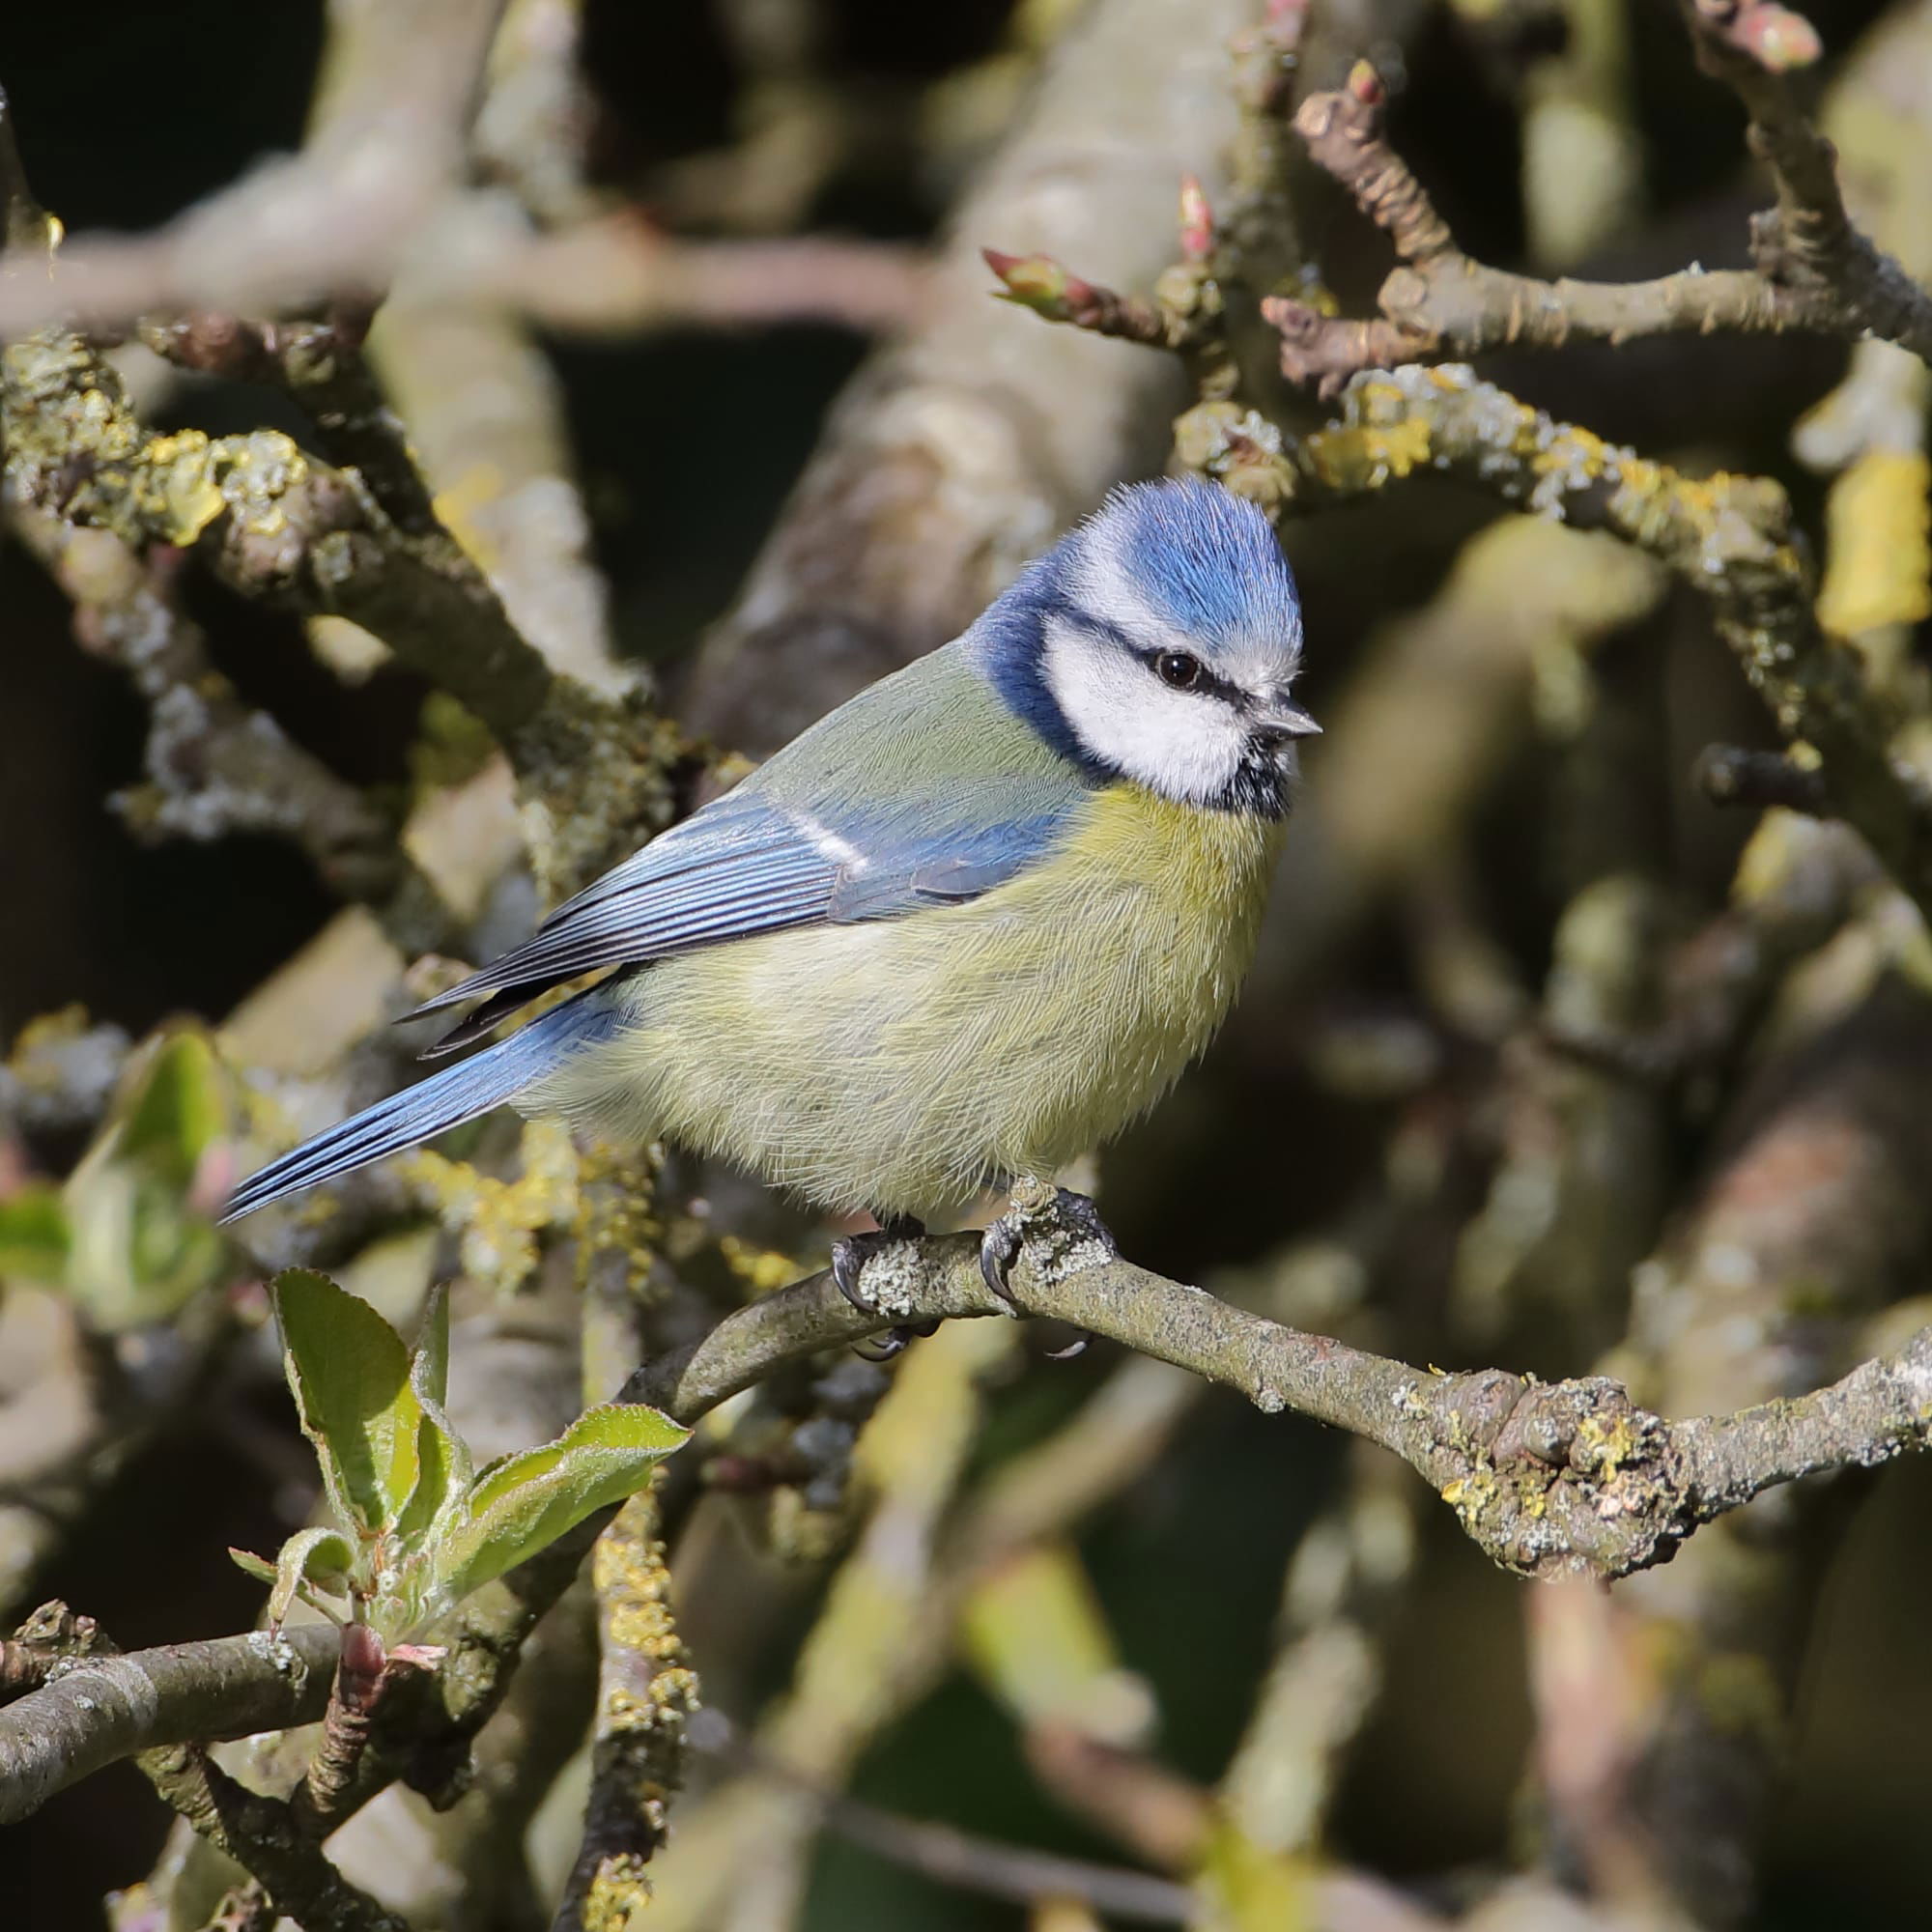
{"points": [[959, 932]]}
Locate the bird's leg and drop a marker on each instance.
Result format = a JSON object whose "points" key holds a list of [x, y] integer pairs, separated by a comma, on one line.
{"points": [[849, 1255], [1066, 1232]]}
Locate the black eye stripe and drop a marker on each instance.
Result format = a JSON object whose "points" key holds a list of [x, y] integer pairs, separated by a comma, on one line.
{"points": [[1204, 683]]}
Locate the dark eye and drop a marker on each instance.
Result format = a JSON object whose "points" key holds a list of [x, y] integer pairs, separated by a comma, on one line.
{"points": [[1179, 670]]}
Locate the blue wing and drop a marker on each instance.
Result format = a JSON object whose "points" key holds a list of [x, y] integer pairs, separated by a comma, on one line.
{"points": [[431, 1107], [751, 862]]}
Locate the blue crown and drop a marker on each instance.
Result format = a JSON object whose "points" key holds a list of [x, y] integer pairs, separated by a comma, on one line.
{"points": [[1205, 561]]}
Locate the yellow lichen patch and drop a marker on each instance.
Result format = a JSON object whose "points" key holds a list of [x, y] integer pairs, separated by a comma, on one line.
{"points": [[619, 1895], [498, 1221], [763, 1270], [255, 473], [479, 488], [1603, 1447], [647, 1692], [633, 1588], [1472, 1496], [616, 1212], [1386, 440], [174, 487], [1878, 524]]}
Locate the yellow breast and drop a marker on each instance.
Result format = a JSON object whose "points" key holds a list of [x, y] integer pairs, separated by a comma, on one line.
{"points": [[898, 1065]]}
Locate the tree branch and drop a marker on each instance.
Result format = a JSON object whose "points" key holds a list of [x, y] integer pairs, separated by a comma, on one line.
{"points": [[215, 765], [1815, 272], [1728, 538], [110, 1706], [277, 524], [1809, 241], [265, 1836], [647, 1692], [1547, 1478]]}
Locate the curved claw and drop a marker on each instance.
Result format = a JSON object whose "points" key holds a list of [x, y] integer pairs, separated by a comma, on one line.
{"points": [[850, 1256], [1070, 1214], [848, 1264], [999, 1250]]}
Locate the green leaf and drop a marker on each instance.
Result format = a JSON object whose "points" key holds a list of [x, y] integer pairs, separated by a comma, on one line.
{"points": [[522, 1503], [178, 1109], [142, 1241], [351, 1377], [429, 1364], [257, 1567], [442, 1458], [35, 1238], [309, 1555]]}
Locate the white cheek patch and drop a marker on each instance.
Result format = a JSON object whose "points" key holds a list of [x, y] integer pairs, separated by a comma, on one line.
{"points": [[1184, 745]]}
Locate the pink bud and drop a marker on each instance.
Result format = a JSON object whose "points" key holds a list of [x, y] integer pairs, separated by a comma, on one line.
{"points": [[359, 1677], [1197, 221], [1778, 40]]}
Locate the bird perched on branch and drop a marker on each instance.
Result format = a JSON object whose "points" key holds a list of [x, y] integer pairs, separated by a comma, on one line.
{"points": [[959, 932]]}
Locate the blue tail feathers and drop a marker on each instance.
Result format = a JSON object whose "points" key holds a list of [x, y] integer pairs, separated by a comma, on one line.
{"points": [[475, 1086]]}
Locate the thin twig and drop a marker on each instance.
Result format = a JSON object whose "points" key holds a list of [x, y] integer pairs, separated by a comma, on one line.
{"points": [[1728, 537], [963, 1859], [1809, 242], [1815, 273]]}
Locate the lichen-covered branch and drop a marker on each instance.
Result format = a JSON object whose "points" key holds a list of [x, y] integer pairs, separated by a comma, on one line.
{"points": [[1547, 1477], [647, 1691], [274, 522], [751, 1842], [1728, 537], [318, 362], [277, 524], [101, 1709], [264, 1836], [213, 766]]}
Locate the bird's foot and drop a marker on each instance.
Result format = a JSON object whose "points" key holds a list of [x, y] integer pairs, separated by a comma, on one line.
{"points": [[1066, 1234], [850, 1256]]}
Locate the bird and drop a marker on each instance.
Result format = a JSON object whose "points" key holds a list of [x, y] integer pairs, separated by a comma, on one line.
{"points": [[956, 934]]}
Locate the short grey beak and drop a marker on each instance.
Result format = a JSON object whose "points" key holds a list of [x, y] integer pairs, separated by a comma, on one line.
{"points": [[1288, 721]]}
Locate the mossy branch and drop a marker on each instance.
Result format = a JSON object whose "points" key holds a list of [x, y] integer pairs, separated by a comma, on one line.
{"points": [[1547, 1478]]}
